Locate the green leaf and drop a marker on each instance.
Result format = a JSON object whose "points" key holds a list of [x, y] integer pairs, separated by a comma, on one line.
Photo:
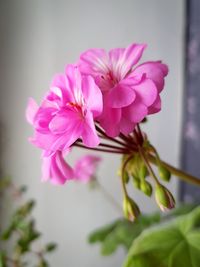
{"points": [[121, 233], [173, 244], [43, 263], [23, 189], [181, 210], [3, 262], [109, 245], [100, 234], [50, 247], [26, 208], [7, 233]]}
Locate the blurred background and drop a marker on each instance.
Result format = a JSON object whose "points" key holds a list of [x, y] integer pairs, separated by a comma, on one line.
{"points": [[38, 38]]}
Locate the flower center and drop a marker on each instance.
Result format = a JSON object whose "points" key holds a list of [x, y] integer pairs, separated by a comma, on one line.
{"points": [[78, 108]]}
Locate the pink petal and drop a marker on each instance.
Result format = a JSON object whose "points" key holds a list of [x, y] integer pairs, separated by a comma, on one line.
{"points": [[85, 168], [126, 126], [92, 95], [74, 80], [43, 141], [156, 71], [62, 123], [68, 138], [110, 121], [46, 164], [65, 169], [156, 106], [115, 56], [89, 134], [120, 96], [31, 110], [131, 56], [94, 61], [146, 92], [57, 177], [43, 118], [135, 112], [60, 88], [55, 169]]}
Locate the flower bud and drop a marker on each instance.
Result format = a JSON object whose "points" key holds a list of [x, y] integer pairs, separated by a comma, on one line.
{"points": [[164, 198], [143, 172], [136, 182], [146, 188], [130, 208], [164, 174]]}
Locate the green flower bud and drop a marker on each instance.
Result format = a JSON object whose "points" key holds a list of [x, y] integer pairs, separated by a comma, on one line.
{"points": [[143, 172], [146, 188], [136, 182], [130, 208], [164, 198], [164, 174]]}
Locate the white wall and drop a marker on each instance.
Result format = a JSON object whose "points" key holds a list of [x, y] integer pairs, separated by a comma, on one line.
{"points": [[38, 38]]}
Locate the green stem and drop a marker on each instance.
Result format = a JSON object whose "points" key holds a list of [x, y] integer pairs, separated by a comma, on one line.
{"points": [[177, 172], [145, 159], [123, 174], [150, 170]]}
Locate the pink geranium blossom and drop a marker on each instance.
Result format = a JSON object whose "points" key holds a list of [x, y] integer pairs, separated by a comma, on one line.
{"points": [[129, 93], [55, 169], [85, 168], [67, 112]]}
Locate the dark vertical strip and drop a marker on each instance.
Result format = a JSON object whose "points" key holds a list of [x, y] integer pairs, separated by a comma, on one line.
{"points": [[190, 154]]}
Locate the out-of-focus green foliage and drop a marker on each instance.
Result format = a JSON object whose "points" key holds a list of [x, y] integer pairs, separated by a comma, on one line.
{"points": [[21, 232], [155, 240], [172, 244], [121, 233]]}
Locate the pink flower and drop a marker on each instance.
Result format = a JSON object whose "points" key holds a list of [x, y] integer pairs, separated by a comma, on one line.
{"points": [[55, 169], [85, 168], [129, 94], [67, 112]]}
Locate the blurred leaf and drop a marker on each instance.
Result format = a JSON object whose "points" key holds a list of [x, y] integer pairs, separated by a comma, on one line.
{"points": [[5, 182], [8, 232], [28, 235], [50, 247], [100, 234], [26, 208], [121, 233], [3, 262], [23, 226], [109, 245], [182, 209], [43, 263], [23, 189], [172, 244]]}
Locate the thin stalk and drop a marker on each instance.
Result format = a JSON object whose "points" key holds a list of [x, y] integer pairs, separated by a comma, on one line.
{"points": [[109, 197], [139, 132], [145, 159], [150, 170], [177, 172], [103, 150], [123, 173], [110, 146], [105, 145], [129, 141], [108, 137]]}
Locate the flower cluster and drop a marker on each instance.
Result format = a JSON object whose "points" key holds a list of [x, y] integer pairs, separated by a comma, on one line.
{"points": [[102, 88], [104, 96]]}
